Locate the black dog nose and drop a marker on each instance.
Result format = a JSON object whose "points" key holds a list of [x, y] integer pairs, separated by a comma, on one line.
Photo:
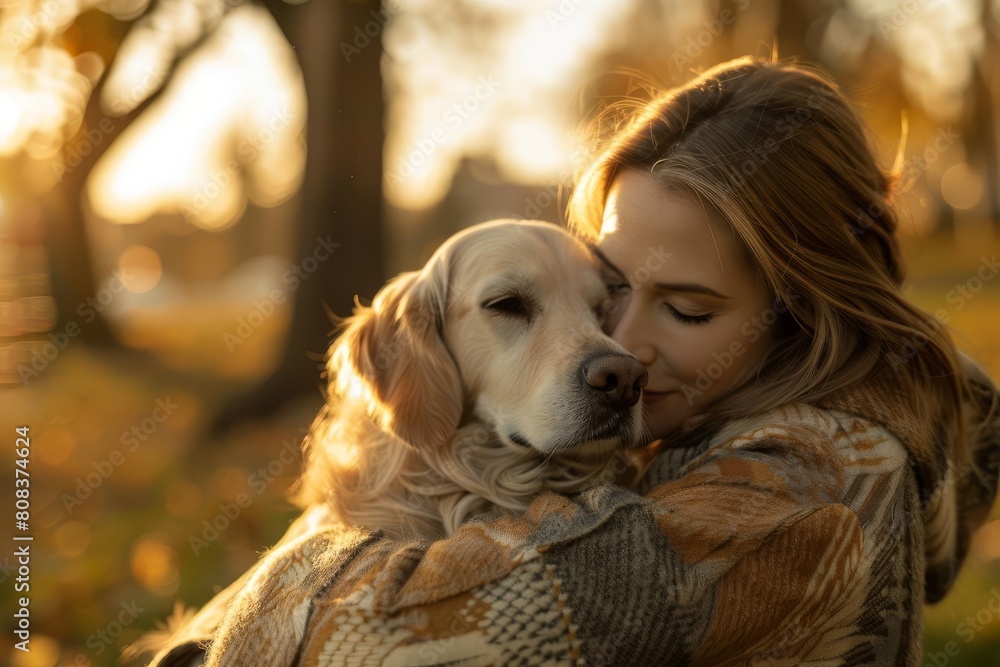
{"points": [[618, 378]]}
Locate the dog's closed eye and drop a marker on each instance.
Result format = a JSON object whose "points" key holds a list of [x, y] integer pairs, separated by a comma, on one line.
{"points": [[510, 305]]}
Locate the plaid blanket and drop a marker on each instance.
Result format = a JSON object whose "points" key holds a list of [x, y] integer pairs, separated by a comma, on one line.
{"points": [[807, 535]]}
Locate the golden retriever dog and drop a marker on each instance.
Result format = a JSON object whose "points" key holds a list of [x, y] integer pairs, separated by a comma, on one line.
{"points": [[473, 385]]}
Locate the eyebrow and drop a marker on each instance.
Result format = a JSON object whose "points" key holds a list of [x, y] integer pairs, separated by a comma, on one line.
{"points": [[672, 287], [512, 282]]}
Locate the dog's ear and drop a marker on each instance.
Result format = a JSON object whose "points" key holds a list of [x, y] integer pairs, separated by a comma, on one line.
{"points": [[396, 348]]}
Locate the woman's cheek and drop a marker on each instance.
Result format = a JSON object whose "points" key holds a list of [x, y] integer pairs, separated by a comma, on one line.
{"points": [[704, 363], [694, 350]]}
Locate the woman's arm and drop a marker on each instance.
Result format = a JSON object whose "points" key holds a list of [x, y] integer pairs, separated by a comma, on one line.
{"points": [[776, 548]]}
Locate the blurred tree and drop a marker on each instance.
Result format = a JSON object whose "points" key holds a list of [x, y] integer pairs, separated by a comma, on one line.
{"points": [[923, 40], [794, 19], [339, 47], [981, 138], [66, 239]]}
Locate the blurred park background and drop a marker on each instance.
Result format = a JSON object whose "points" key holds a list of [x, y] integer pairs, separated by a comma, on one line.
{"points": [[187, 186]]}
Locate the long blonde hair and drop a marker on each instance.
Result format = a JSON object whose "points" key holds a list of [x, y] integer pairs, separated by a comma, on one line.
{"points": [[778, 153]]}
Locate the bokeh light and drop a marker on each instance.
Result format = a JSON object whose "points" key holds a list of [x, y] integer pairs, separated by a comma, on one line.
{"points": [[154, 564], [228, 128], [44, 653], [57, 445], [962, 186], [71, 539], [140, 268]]}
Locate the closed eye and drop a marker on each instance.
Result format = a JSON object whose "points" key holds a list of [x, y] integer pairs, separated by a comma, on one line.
{"points": [[616, 288], [688, 319], [511, 305]]}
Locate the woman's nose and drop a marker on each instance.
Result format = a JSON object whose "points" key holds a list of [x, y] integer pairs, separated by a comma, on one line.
{"points": [[632, 333]]}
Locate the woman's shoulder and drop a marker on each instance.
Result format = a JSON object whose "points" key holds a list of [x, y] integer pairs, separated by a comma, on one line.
{"points": [[822, 441], [809, 425]]}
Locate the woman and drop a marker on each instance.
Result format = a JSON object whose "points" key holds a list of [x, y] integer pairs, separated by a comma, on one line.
{"points": [[825, 453]]}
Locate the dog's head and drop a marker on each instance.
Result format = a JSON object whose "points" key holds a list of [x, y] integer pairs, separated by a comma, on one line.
{"points": [[503, 323]]}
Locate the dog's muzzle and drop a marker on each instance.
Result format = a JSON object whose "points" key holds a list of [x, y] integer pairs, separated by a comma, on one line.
{"points": [[614, 379]]}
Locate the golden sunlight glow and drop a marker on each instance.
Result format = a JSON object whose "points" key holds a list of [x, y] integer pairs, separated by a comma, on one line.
{"points": [[141, 67], [937, 43], [344, 452], [962, 186], [357, 389], [345, 455], [125, 10], [532, 147], [45, 652], [986, 544], [141, 268], [228, 129], [450, 106], [40, 97], [10, 119], [57, 446], [154, 564], [357, 392]]}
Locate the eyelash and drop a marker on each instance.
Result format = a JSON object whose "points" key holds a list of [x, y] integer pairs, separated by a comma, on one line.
{"points": [[688, 319], [615, 289]]}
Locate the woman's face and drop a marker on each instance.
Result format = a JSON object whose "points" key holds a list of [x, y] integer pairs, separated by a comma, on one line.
{"points": [[686, 301]]}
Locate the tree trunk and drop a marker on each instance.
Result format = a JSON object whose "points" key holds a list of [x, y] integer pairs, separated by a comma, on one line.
{"points": [[981, 138], [794, 17], [339, 50], [66, 241]]}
